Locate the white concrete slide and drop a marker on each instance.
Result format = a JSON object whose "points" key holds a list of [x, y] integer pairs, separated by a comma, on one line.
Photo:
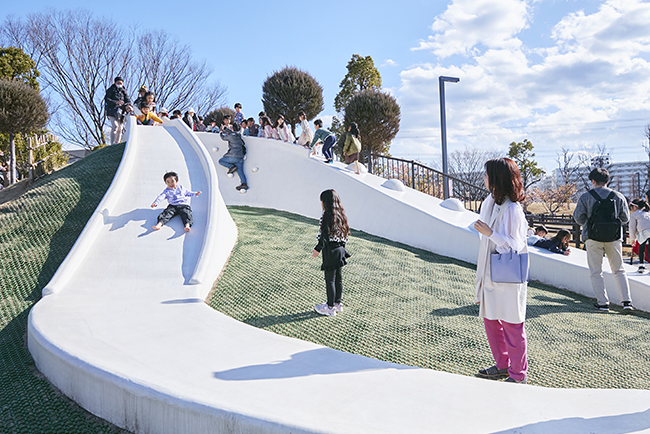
{"points": [[123, 329]]}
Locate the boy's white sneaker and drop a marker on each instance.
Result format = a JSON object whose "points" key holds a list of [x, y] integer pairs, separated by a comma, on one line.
{"points": [[641, 269], [324, 309], [338, 307]]}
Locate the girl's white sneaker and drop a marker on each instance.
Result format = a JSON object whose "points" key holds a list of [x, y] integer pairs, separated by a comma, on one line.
{"points": [[338, 307], [324, 309]]}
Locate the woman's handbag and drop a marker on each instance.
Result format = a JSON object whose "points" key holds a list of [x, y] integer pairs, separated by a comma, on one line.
{"points": [[509, 267]]}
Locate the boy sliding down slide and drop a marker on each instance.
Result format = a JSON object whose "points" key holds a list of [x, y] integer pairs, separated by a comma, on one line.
{"points": [[176, 195]]}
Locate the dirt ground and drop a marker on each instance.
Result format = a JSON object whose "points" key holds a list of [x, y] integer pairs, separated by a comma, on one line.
{"points": [[14, 191]]}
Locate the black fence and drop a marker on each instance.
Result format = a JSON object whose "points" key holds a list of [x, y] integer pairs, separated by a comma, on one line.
{"points": [[425, 179]]}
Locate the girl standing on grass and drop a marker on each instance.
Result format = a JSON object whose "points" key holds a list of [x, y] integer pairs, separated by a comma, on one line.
{"points": [[333, 233]]}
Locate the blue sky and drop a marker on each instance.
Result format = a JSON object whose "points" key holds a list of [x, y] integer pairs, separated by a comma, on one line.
{"points": [[561, 73]]}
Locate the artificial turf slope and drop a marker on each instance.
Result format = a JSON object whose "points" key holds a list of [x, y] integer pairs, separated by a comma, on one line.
{"points": [[410, 306], [36, 232]]}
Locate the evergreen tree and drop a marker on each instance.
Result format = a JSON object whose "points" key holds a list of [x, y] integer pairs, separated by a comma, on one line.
{"points": [[522, 154], [16, 65], [218, 114], [378, 116], [22, 110], [289, 91], [362, 75]]}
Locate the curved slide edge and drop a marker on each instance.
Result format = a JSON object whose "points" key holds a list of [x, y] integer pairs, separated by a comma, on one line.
{"points": [[89, 233], [141, 353], [80, 248], [284, 176]]}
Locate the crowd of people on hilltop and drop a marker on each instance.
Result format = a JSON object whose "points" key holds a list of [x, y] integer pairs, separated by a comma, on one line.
{"points": [[500, 290], [119, 105]]}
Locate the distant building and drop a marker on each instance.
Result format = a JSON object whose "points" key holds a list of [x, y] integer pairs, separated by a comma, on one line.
{"points": [[75, 155], [629, 178]]}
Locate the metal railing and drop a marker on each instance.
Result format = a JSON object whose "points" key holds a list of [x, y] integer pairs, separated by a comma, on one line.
{"points": [[425, 179]]}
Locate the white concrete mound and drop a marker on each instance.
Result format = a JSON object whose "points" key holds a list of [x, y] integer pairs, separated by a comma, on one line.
{"points": [[123, 329]]}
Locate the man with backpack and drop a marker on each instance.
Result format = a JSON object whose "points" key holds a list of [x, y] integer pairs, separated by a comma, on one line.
{"points": [[602, 212]]}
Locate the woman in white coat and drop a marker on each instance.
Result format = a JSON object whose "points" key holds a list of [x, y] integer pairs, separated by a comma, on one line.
{"points": [[502, 226]]}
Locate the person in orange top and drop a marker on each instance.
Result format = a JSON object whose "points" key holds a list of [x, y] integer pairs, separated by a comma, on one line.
{"points": [[147, 118]]}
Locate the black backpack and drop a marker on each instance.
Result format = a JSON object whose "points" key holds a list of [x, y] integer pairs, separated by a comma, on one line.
{"points": [[603, 223]]}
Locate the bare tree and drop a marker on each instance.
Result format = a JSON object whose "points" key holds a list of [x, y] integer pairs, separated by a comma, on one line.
{"points": [[79, 55], [169, 71], [468, 164]]}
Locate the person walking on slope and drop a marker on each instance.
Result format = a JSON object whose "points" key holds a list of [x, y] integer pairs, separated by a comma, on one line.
{"points": [[602, 212], [328, 139]]}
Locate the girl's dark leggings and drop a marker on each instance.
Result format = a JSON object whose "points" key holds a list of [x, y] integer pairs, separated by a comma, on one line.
{"points": [[642, 251], [334, 286], [329, 142]]}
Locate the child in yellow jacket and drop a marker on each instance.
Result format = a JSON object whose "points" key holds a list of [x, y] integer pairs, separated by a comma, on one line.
{"points": [[147, 118]]}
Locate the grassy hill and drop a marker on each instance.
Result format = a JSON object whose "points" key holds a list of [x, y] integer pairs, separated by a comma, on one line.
{"points": [[37, 230]]}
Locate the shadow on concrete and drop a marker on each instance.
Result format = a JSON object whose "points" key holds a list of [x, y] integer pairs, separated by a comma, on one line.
{"points": [[321, 361], [619, 424], [182, 301], [193, 242]]}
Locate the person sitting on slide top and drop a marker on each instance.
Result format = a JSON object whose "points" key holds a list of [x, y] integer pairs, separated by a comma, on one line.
{"points": [[253, 128], [325, 136], [147, 118], [537, 235], [226, 123], [558, 244], [260, 131], [284, 132], [269, 131], [176, 196]]}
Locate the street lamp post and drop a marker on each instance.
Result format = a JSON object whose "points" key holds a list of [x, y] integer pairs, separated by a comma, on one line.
{"points": [[443, 131]]}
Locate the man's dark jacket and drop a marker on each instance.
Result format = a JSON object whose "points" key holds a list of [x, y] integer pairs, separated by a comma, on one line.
{"points": [[115, 94]]}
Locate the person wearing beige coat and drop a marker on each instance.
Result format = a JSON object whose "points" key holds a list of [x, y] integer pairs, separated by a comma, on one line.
{"points": [[502, 227]]}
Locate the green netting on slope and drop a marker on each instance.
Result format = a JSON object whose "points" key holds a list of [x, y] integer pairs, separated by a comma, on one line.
{"points": [[410, 306], [36, 232]]}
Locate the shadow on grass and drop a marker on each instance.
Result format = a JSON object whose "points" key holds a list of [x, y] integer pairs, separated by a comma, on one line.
{"points": [[84, 182], [418, 253], [269, 320], [93, 180]]}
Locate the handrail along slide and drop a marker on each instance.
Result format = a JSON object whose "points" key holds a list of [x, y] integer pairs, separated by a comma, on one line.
{"points": [[425, 179]]}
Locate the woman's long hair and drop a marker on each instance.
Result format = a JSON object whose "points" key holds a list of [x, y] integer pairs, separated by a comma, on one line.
{"points": [[504, 180], [277, 122], [559, 237], [266, 121], [334, 218], [354, 130]]}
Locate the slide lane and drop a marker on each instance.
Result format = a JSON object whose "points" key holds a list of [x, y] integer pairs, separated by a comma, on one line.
{"points": [[124, 331]]}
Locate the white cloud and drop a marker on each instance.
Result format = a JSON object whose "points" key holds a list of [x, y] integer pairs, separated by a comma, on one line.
{"points": [[468, 23], [389, 62], [589, 84]]}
